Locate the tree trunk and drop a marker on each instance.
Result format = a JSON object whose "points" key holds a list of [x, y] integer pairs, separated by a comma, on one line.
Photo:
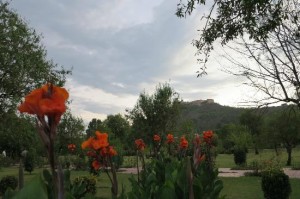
{"points": [[276, 150], [289, 151]]}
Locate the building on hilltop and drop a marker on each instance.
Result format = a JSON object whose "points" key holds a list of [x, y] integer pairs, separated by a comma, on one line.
{"points": [[200, 102]]}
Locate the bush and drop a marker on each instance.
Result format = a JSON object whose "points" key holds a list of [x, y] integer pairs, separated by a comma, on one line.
{"points": [[29, 162], [8, 182], [88, 183], [5, 161], [240, 156], [275, 184]]}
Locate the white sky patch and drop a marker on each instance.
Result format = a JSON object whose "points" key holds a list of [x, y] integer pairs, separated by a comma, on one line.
{"points": [[81, 96], [118, 84]]}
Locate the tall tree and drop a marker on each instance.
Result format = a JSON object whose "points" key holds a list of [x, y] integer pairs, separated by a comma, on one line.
{"points": [[69, 131], [95, 125], [254, 123], [227, 20], [155, 114], [17, 134], [23, 63], [118, 125], [286, 129]]}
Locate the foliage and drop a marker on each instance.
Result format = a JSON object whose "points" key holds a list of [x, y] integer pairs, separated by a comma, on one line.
{"points": [[17, 134], [155, 113], [254, 123], [29, 161], [5, 161], [227, 20], [240, 156], [285, 128], [101, 154], [89, 186], [23, 63], [8, 182], [275, 184], [69, 131], [118, 125], [95, 125], [175, 175]]}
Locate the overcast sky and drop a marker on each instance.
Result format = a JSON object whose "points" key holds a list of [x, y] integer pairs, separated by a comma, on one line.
{"points": [[120, 48]]}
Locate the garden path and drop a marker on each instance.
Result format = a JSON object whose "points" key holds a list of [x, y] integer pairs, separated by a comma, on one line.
{"points": [[227, 172]]}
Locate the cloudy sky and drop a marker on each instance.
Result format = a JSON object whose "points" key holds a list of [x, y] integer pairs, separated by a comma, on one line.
{"points": [[120, 48]]}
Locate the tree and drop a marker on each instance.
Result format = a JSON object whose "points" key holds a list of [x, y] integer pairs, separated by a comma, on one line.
{"points": [[69, 131], [23, 63], [227, 20], [286, 129], [17, 134], [254, 123], [118, 125], [155, 114], [95, 125]]}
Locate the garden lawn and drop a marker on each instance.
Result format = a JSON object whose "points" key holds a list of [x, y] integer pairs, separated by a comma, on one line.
{"points": [[226, 160], [250, 188]]}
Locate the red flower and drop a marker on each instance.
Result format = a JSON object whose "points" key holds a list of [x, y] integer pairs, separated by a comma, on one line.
{"points": [[170, 138], [48, 100], [96, 165], [183, 143], [140, 145], [71, 147], [156, 138], [207, 136]]}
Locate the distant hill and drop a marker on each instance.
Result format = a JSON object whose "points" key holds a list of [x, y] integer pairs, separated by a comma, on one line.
{"points": [[206, 114]]}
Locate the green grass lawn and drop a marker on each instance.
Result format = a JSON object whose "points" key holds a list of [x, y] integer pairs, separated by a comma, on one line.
{"points": [[250, 188], [226, 160], [234, 188]]}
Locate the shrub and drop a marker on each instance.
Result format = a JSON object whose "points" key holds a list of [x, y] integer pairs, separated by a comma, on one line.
{"points": [[87, 186], [8, 182], [29, 162], [240, 156], [5, 161], [275, 184]]}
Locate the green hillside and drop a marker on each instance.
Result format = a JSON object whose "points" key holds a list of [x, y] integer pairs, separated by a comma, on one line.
{"points": [[206, 116]]}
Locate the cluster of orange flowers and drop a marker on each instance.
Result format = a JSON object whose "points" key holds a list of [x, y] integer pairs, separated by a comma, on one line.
{"points": [[140, 144], [100, 149], [183, 144], [71, 147], [48, 100], [207, 136], [156, 138]]}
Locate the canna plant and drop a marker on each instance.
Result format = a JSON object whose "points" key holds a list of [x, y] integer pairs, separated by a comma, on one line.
{"points": [[176, 175], [48, 104], [101, 154]]}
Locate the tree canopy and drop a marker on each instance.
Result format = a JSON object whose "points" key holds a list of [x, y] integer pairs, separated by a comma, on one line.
{"points": [[227, 20], [23, 60], [155, 114]]}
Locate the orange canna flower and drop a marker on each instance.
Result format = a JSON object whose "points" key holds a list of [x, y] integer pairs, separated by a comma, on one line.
{"points": [[96, 165], [183, 143], [48, 100], [170, 138], [87, 143], [207, 136], [111, 151], [101, 140], [71, 147], [156, 138], [140, 145]]}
